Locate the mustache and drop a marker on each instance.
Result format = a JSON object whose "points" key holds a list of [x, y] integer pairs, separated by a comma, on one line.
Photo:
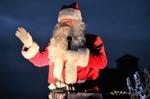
{"points": [[62, 25]]}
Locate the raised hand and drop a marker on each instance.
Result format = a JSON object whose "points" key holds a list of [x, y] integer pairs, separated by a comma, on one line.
{"points": [[24, 37]]}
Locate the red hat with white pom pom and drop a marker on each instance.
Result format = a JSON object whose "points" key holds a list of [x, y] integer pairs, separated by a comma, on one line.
{"points": [[70, 12]]}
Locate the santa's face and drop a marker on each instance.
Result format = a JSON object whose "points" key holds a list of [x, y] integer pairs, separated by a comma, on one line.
{"points": [[68, 22]]}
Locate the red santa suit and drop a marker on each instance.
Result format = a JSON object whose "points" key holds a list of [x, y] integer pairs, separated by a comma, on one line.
{"points": [[91, 59]]}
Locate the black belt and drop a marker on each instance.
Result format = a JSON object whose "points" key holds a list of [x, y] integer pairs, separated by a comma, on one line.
{"points": [[69, 88], [74, 88]]}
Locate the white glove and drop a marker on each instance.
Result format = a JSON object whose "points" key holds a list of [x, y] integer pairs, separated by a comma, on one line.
{"points": [[24, 36], [71, 55]]}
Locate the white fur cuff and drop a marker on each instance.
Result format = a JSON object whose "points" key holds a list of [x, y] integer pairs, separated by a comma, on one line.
{"points": [[58, 85], [31, 52], [52, 86], [83, 57]]}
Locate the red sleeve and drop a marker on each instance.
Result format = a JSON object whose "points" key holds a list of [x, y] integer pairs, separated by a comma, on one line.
{"points": [[98, 59], [40, 59]]}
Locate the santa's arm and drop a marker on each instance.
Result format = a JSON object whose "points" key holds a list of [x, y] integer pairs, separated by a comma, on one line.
{"points": [[30, 49], [38, 58], [89, 60], [98, 58], [95, 56]]}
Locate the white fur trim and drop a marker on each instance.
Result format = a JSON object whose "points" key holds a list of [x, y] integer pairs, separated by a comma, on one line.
{"points": [[58, 85], [80, 81], [52, 86], [71, 65], [71, 72], [83, 57], [69, 13], [58, 67], [31, 52]]}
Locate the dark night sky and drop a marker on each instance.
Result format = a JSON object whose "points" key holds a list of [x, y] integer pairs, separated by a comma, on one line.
{"points": [[124, 26]]}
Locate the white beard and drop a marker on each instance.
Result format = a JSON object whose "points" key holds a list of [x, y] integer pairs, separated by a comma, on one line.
{"points": [[59, 44]]}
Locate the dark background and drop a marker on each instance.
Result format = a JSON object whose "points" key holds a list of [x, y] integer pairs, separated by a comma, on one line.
{"points": [[124, 26]]}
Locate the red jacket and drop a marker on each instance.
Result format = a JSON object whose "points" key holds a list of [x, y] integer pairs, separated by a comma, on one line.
{"points": [[95, 61]]}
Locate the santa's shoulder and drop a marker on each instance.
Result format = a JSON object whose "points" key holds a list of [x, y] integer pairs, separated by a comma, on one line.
{"points": [[92, 37]]}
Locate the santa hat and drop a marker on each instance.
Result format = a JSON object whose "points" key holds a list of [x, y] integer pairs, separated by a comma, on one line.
{"points": [[70, 11]]}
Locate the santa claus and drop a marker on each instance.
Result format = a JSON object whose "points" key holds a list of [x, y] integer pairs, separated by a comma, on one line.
{"points": [[72, 55]]}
